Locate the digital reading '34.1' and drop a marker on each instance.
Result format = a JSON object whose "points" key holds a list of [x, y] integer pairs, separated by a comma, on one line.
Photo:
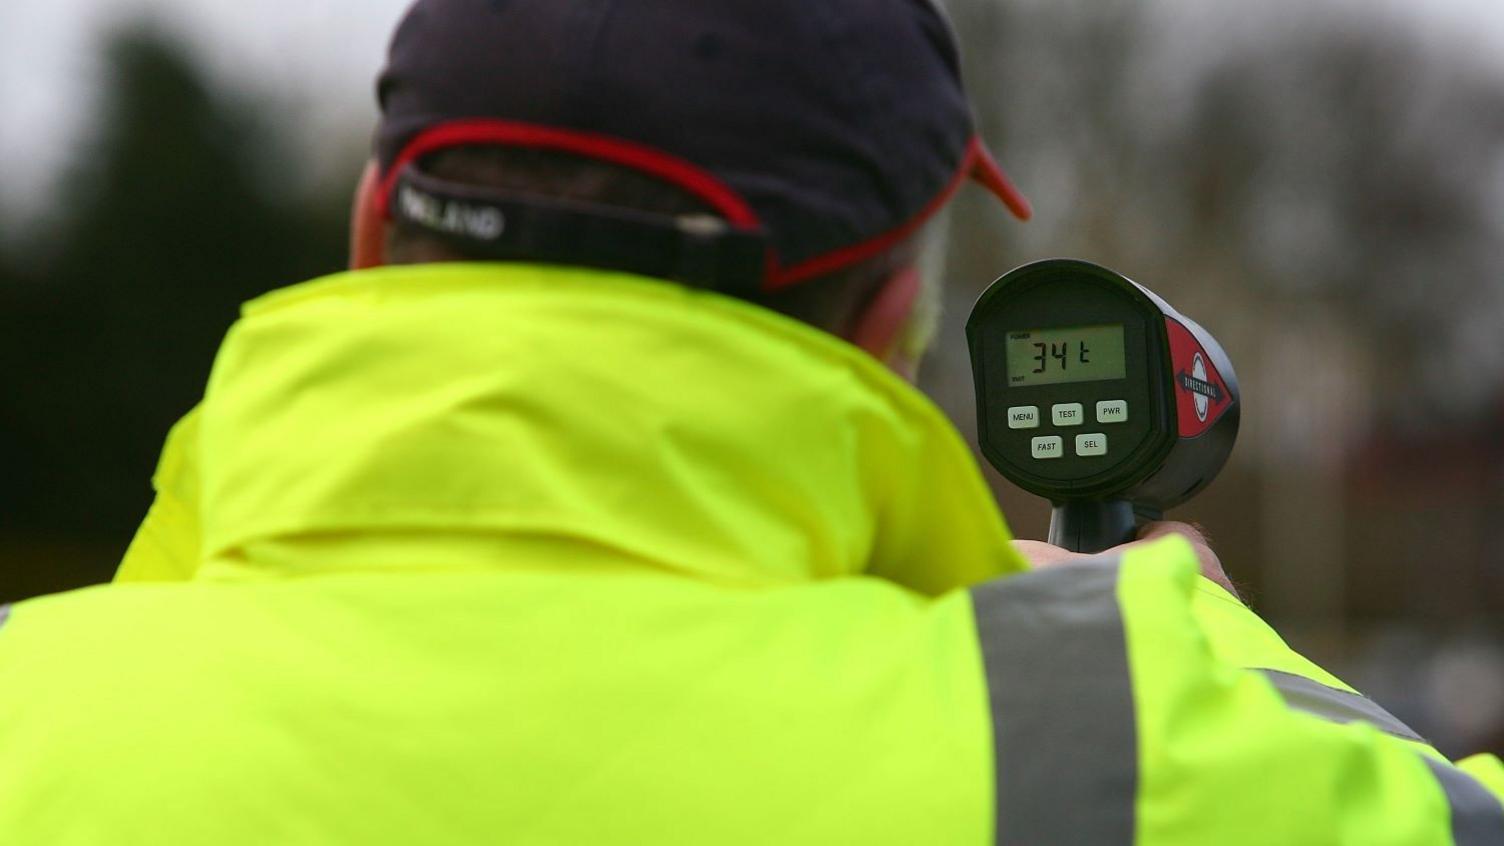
{"points": [[1079, 354]]}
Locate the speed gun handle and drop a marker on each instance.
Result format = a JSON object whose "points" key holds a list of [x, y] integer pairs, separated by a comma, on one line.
{"points": [[1096, 525]]}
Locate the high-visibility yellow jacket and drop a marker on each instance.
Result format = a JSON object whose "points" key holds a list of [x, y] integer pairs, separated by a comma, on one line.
{"points": [[502, 553]]}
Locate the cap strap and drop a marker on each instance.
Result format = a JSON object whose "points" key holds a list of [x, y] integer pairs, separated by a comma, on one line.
{"points": [[699, 250]]}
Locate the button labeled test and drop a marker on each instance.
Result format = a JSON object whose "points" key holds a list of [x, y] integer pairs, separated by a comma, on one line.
{"points": [[1023, 417], [1068, 414], [1091, 445], [1050, 446]]}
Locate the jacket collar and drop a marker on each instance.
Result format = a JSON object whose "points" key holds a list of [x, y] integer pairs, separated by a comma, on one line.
{"points": [[502, 414]]}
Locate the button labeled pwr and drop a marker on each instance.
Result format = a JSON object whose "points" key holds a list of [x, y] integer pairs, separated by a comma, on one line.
{"points": [[1112, 411]]}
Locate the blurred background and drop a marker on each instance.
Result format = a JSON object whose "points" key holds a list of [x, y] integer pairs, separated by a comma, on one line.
{"points": [[1320, 183]]}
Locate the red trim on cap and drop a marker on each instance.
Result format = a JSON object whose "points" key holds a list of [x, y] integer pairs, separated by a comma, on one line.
{"points": [[987, 171], [977, 163], [690, 177]]}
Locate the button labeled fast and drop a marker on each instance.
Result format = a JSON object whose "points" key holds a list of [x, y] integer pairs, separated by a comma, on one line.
{"points": [[1023, 417], [1068, 414], [1091, 445], [1112, 411], [1050, 446]]}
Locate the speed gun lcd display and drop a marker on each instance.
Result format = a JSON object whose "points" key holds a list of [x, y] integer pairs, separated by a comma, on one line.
{"points": [[1077, 354]]}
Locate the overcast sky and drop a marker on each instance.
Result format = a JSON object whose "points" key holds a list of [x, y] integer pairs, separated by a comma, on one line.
{"points": [[320, 57]]}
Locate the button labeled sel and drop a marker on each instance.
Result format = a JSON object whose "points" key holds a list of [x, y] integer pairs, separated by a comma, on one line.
{"points": [[1091, 445], [1068, 414], [1112, 411], [1051, 446], [1023, 417]]}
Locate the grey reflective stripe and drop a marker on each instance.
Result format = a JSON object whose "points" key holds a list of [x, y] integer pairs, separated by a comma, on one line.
{"points": [[1339, 706], [1063, 733], [4, 614], [1477, 816]]}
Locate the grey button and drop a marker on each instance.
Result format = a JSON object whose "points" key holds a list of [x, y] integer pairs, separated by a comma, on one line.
{"points": [[1091, 445], [1023, 417], [1112, 411], [1050, 446], [1068, 414]]}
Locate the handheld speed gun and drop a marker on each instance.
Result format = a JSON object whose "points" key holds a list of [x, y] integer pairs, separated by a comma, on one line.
{"points": [[1095, 394]]}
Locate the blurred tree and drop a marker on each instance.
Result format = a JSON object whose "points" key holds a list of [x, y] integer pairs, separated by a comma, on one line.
{"points": [[1264, 159], [14, 465], [1355, 168], [165, 225]]}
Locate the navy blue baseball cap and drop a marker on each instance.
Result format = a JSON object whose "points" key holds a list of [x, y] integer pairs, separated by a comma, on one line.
{"points": [[832, 128]]}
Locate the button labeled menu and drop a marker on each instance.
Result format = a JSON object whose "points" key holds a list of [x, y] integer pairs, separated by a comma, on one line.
{"points": [[1068, 414], [1023, 417], [1091, 445], [1112, 411], [1051, 446]]}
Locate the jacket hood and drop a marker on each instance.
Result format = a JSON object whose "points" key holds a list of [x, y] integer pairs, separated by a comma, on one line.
{"points": [[383, 417]]}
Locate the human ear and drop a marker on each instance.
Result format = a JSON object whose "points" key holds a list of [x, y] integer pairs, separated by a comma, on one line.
{"points": [[880, 325], [367, 225]]}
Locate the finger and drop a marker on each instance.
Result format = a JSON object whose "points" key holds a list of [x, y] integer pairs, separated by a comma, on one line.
{"points": [[1211, 565], [1040, 554], [1164, 528]]}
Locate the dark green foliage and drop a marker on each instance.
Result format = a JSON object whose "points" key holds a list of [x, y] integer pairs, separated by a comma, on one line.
{"points": [[164, 226]]}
